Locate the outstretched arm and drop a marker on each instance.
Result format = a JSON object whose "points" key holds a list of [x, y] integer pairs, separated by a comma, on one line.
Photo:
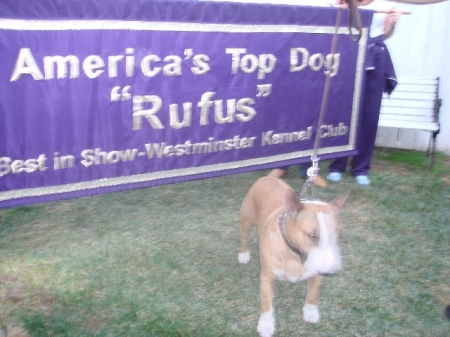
{"points": [[413, 2], [419, 2], [389, 24]]}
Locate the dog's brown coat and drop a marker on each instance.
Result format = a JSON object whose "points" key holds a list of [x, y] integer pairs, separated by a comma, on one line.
{"points": [[267, 200]]}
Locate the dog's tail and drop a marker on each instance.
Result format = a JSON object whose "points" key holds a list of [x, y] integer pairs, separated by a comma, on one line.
{"points": [[317, 180], [276, 173]]}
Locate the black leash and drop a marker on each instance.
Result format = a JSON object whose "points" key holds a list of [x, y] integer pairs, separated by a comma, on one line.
{"points": [[354, 20], [308, 190]]}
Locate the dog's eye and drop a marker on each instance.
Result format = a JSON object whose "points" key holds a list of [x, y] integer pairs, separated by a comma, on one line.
{"points": [[312, 236]]}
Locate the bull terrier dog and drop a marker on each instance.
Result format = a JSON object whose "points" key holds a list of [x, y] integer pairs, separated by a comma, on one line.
{"points": [[297, 241]]}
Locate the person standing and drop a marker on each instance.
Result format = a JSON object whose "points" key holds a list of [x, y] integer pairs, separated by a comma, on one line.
{"points": [[380, 77]]}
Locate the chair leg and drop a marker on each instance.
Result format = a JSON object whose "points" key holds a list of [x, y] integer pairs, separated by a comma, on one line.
{"points": [[432, 148]]}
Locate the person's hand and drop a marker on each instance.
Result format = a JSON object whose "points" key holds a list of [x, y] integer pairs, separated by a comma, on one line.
{"points": [[344, 3], [392, 18], [341, 3]]}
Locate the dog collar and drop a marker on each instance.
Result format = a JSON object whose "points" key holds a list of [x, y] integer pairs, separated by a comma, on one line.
{"points": [[281, 221]]}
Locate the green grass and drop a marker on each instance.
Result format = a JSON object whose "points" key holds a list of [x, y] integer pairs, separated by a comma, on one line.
{"points": [[162, 261], [415, 160]]}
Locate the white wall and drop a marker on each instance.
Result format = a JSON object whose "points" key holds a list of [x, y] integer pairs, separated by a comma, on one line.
{"points": [[418, 49]]}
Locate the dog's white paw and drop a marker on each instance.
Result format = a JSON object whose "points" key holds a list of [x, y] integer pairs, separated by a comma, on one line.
{"points": [[266, 324], [244, 257], [311, 313]]}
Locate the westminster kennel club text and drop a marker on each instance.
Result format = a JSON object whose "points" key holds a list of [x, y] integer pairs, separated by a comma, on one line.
{"points": [[98, 156]]}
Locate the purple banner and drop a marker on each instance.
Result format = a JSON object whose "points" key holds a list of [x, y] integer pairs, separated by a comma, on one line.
{"points": [[116, 95]]}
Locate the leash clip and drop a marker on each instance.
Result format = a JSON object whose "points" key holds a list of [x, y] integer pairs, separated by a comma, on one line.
{"points": [[313, 171], [309, 189]]}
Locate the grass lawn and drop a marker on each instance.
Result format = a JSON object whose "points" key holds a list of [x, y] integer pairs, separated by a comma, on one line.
{"points": [[162, 261]]}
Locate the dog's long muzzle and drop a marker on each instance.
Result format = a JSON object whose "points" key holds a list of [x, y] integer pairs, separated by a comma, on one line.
{"points": [[324, 261]]}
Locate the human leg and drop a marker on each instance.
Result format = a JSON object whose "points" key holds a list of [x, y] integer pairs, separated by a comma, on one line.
{"points": [[337, 168], [369, 118]]}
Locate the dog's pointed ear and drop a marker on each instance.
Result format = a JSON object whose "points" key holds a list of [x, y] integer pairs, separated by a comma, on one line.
{"points": [[292, 202], [338, 202]]}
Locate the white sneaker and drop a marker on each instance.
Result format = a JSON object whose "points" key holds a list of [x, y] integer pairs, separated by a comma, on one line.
{"points": [[334, 176], [362, 180]]}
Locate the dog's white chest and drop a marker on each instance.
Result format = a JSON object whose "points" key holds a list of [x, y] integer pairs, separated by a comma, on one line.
{"points": [[283, 276]]}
